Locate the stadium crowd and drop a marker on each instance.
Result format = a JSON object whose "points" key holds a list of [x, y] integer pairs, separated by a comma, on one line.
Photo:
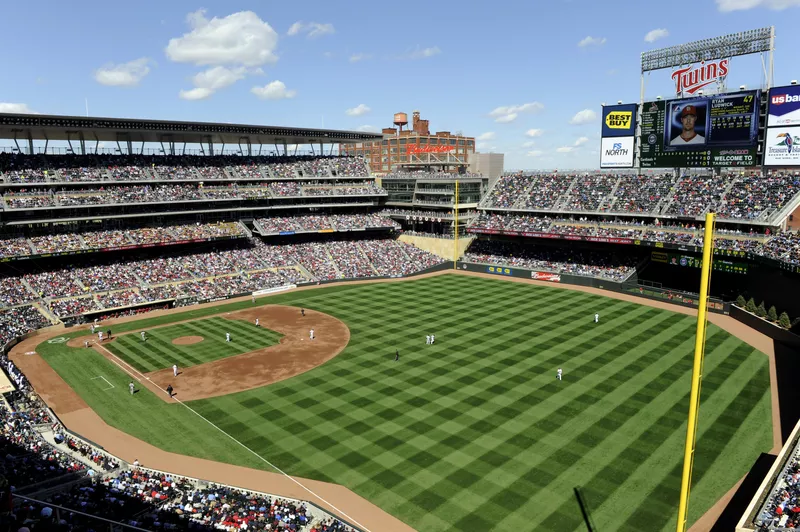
{"points": [[38, 452], [783, 246], [54, 242], [249, 267], [781, 509], [311, 222], [20, 168], [555, 260], [735, 197]]}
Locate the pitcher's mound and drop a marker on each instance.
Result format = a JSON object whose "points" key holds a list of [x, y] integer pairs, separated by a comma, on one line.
{"points": [[188, 340]]}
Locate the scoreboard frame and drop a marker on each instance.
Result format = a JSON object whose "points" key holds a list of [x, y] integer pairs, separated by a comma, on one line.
{"points": [[658, 124]]}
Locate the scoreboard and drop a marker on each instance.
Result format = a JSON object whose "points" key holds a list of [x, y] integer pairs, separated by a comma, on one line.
{"points": [[720, 130]]}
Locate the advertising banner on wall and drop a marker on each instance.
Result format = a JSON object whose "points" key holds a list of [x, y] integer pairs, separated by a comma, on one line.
{"points": [[782, 146], [616, 152], [619, 120], [784, 106]]}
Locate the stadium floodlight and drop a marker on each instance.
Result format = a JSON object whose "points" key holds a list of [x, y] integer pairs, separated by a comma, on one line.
{"points": [[794, 82], [726, 46], [742, 87], [619, 102], [658, 97]]}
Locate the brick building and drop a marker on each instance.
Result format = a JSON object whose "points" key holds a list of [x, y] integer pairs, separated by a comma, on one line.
{"points": [[414, 149]]}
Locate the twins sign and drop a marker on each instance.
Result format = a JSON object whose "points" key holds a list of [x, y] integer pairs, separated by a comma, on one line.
{"points": [[689, 80]]}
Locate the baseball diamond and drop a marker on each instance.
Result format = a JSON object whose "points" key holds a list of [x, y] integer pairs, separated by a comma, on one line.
{"points": [[474, 429], [541, 314]]}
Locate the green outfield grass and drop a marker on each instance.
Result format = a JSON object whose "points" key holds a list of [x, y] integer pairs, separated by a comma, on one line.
{"points": [[158, 352], [475, 433]]}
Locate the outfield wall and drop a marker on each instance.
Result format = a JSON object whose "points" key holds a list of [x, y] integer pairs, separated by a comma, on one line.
{"points": [[681, 299]]}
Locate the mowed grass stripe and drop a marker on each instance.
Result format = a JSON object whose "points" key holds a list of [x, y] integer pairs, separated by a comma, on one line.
{"points": [[659, 420], [712, 439], [474, 432], [365, 391], [158, 352], [556, 428]]}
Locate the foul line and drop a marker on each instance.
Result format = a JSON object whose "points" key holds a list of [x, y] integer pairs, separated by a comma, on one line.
{"points": [[104, 389], [273, 466]]}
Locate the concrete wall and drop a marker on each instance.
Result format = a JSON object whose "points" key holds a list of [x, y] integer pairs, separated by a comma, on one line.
{"points": [[443, 247]]}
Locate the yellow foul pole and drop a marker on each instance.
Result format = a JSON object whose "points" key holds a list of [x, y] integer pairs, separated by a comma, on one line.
{"points": [[455, 227], [697, 374]]}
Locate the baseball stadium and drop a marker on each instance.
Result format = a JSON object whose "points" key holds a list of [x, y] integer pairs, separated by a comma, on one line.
{"points": [[275, 338]]}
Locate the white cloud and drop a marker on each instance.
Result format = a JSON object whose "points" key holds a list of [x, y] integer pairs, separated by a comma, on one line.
{"points": [[312, 29], [489, 135], [534, 133], [198, 93], [295, 28], [275, 90], [591, 41], [741, 5], [327, 55], [509, 113], [16, 108], [578, 143], [124, 74], [355, 58], [218, 77], [359, 110], [535, 153], [209, 81], [654, 35], [583, 117], [241, 38], [424, 53], [367, 129], [529, 144]]}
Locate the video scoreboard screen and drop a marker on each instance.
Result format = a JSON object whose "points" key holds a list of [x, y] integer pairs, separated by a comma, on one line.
{"points": [[720, 130]]}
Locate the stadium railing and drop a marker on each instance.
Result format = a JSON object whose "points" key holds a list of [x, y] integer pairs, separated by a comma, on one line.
{"points": [[757, 513]]}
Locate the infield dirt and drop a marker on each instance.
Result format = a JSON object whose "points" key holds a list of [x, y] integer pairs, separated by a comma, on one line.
{"points": [[78, 417]]}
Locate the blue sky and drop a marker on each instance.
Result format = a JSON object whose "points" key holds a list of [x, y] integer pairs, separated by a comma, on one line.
{"points": [[526, 77]]}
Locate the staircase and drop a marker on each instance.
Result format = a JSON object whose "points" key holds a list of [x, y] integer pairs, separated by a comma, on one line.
{"points": [[363, 254], [333, 262]]}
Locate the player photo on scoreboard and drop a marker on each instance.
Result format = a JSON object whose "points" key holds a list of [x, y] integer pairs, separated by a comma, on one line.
{"points": [[686, 124]]}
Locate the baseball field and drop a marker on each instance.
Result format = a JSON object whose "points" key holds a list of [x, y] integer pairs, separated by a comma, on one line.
{"points": [[472, 433]]}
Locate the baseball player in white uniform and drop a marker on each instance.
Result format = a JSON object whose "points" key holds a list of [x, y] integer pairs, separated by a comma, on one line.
{"points": [[144, 336], [174, 370], [130, 387], [100, 336], [597, 318], [86, 344], [558, 374], [433, 338], [427, 339], [227, 337], [311, 334], [257, 323]]}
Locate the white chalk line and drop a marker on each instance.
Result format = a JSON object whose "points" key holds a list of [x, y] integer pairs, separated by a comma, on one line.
{"points": [[111, 386], [270, 464]]}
